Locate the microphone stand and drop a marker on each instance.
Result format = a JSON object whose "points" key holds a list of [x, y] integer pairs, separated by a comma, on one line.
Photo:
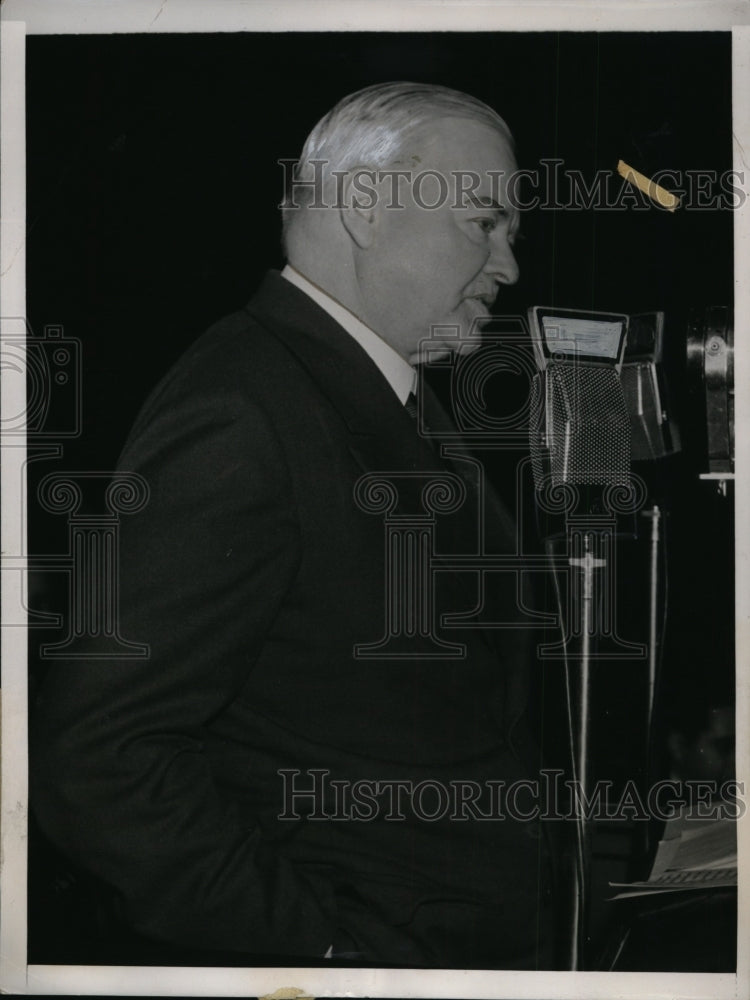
{"points": [[655, 516], [590, 616], [587, 563]]}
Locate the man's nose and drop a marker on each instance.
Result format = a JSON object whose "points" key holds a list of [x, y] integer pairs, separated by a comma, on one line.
{"points": [[502, 263]]}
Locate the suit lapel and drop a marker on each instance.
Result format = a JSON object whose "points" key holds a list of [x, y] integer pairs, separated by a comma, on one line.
{"points": [[498, 529], [383, 437]]}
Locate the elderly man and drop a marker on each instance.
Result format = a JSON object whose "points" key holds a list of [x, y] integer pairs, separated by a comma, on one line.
{"points": [[270, 781]]}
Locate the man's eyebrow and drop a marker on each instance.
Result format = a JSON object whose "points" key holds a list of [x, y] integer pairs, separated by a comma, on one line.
{"points": [[481, 202]]}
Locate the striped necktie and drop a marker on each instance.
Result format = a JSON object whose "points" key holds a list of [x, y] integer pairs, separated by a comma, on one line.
{"points": [[411, 405]]}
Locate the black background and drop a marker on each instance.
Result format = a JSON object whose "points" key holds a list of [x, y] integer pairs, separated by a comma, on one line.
{"points": [[153, 187]]}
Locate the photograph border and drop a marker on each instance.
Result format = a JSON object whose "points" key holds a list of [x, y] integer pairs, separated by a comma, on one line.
{"points": [[25, 17]]}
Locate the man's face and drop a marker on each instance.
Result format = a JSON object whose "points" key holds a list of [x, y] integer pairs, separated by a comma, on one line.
{"points": [[442, 266]]}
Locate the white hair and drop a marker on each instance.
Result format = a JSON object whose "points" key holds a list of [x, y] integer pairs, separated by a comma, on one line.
{"points": [[371, 127]]}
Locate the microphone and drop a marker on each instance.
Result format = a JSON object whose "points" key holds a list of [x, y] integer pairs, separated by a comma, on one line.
{"points": [[580, 428], [655, 434], [580, 435]]}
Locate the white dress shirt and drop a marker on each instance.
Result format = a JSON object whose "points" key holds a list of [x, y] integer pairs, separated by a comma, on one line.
{"points": [[400, 375]]}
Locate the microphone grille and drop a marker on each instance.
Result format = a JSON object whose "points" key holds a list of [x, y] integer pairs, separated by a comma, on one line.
{"points": [[586, 426], [537, 434]]}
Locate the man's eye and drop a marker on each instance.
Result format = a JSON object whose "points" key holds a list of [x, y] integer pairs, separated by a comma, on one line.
{"points": [[486, 225]]}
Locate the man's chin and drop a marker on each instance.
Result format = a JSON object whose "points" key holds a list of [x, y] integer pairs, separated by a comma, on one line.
{"points": [[434, 350], [460, 333]]}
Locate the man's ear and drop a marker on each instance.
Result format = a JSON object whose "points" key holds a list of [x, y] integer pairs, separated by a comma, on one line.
{"points": [[358, 204]]}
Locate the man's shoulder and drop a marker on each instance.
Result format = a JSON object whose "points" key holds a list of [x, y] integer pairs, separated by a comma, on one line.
{"points": [[237, 364], [281, 355], [240, 351], [239, 345]]}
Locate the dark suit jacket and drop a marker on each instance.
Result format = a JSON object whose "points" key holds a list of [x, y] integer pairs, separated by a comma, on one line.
{"points": [[253, 574]]}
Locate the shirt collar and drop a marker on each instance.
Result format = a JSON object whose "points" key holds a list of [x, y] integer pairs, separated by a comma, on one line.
{"points": [[398, 372]]}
